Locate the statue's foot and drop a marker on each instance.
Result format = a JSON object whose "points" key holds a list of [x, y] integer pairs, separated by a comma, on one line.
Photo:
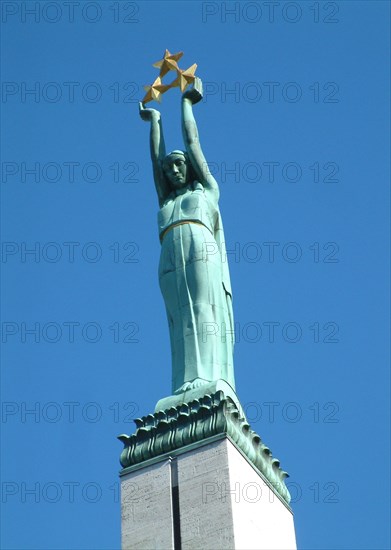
{"points": [[196, 383]]}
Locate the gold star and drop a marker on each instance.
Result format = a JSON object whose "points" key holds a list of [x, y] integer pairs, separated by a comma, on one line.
{"points": [[155, 90], [184, 78], [168, 63]]}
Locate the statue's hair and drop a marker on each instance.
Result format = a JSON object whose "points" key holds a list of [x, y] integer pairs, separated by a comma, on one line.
{"points": [[177, 152]]}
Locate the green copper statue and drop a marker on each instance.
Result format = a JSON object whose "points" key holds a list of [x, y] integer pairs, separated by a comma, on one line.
{"points": [[193, 270]]}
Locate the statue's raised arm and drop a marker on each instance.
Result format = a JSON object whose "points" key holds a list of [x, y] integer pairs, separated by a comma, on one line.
{"points": [[158, 150], [191, 139]]}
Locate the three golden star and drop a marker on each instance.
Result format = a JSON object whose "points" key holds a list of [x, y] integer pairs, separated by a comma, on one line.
{"points": [[167, 64]]}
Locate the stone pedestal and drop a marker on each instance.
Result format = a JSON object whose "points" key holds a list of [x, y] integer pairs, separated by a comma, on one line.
{"points": [[196, 476]]}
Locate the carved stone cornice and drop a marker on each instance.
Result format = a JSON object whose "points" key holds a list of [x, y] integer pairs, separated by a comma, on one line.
{"points": [[189, 423]]}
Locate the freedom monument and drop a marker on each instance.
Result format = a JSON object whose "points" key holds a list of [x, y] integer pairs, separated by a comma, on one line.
{"points": [[195, 475]]}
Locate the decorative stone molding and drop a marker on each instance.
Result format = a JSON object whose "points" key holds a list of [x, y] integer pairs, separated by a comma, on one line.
{"points": [[189, 423]]}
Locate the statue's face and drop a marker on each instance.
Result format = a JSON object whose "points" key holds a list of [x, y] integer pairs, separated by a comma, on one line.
{"points": [[176, 169]]}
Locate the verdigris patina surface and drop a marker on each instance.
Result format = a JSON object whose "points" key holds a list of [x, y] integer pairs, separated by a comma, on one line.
{"points": [[193, 269]]}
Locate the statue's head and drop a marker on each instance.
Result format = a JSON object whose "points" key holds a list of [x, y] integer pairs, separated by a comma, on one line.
{"points": [[177, 169]]}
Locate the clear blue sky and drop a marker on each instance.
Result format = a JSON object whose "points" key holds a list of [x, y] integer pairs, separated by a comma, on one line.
{"points": [[295, 124]]}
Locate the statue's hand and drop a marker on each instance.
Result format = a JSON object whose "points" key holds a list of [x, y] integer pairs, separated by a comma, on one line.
{"points": [[194, 92], [148, 114]]}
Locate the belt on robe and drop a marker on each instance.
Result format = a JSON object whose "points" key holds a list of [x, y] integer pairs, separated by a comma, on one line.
{"points": [[176, 224]]}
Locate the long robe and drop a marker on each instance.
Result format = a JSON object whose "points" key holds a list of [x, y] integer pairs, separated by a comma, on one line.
{"points": [[195, 284]]}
